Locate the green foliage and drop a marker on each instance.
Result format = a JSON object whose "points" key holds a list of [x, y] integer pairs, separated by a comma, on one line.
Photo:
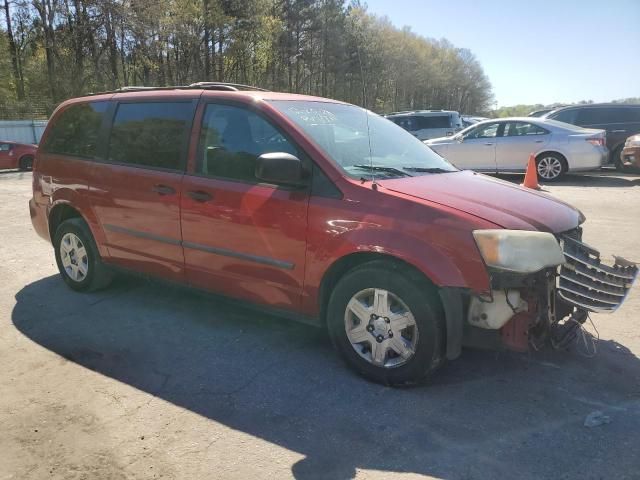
{"points": [[66, 48], [524, 110]]}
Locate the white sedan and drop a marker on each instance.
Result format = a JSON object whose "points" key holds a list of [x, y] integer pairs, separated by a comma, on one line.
{"points": [[504, 145]]}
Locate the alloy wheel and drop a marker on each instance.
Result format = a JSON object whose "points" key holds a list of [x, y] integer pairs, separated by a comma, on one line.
{"points": [[381, 328], [549, 168]]}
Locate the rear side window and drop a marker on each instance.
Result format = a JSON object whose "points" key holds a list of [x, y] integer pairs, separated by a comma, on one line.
{"points": [[521, 129], [5, 147], [436, 121], [628, 114], [408, 123], [75, 131], [595, 116], [566, 116], [151, 134]]}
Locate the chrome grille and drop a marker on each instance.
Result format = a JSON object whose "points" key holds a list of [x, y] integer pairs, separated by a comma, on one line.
{"points": [[588, 283]]}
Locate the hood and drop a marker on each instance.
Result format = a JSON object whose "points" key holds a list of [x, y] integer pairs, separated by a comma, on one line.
{"points": [[505, 204]]}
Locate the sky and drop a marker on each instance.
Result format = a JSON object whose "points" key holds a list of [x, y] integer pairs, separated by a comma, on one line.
{"points": [[537, 51]]}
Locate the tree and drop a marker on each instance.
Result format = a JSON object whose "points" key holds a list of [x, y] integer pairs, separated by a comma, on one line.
{"points": [[318, 47]]}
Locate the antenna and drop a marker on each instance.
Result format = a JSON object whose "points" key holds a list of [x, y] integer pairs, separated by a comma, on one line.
{"points": [[374, 185]]}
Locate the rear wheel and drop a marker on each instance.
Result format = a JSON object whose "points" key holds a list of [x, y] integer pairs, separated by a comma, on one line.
{"points": [[387, 324], [26, 163], [616, 159], [77, 257], [550, 166]]}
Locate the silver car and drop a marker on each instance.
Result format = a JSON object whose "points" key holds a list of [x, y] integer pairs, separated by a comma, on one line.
{"points": [[504, 145]]}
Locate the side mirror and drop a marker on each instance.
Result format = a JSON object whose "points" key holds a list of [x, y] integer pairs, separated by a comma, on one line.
{"points": [[280, 168]]}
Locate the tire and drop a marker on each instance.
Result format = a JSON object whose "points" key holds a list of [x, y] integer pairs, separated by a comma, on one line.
{"points": [[26, 163], [407, 292], [616, 159], [77, 257], [550, 167]]}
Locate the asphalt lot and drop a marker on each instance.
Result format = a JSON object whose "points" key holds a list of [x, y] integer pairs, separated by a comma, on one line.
{"points": [[146, 381]]}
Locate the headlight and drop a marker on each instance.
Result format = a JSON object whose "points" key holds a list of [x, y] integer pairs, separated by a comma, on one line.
{"points": [[518, 251]]}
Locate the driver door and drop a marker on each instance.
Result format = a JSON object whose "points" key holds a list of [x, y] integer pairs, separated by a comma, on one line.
{"points": [[241, 237], [476, 150]]}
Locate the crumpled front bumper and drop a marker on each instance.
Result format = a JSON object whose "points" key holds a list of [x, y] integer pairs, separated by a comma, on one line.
{"points": [[587, 283]]}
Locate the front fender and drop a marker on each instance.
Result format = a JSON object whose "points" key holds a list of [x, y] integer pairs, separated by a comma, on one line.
{"points": [[439, 244]]}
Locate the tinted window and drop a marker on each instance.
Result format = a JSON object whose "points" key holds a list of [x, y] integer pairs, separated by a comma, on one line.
{"points": [[519, 129], [75, 131], [231, 140], [566, 116], [408, 123], [5, 147], [150, 134], [635, 114], [488, 130], [436, 121], [628, 114], [593, 116]]}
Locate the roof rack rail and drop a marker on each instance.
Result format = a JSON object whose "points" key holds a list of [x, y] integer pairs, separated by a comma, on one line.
{"points": [[225, 86], [229, 87], [403, 111]]}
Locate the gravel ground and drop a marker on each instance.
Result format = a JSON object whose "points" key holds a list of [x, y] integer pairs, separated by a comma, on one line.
{"points": [[146, 381]]}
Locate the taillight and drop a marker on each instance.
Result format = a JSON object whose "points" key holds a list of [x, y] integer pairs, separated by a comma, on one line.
{"points": [[598, 142]]}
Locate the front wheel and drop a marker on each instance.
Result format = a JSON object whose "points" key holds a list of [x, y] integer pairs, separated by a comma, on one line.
{"points": [[387, 324], [550, 167]]}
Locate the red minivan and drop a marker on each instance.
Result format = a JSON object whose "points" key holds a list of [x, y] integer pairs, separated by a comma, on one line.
{"points": [[319, 210]]}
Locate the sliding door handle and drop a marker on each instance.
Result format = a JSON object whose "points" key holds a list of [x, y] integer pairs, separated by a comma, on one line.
{"points": [[200, 196], [163, 189]]}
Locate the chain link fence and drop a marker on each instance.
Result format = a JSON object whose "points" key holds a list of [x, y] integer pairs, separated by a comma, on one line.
{"points": [[30, 109]]}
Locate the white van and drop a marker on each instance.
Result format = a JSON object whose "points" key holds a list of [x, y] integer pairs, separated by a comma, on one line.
{"points": [[426, 124]]}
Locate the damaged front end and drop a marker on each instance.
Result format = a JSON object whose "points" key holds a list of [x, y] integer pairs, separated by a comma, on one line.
{"points": [[548, 306]]}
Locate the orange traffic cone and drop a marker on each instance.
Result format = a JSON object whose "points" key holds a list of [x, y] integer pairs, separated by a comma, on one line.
{"points": [[531, 177]]}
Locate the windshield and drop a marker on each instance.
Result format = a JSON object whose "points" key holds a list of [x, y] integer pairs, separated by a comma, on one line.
{"points": [[357, 140]]}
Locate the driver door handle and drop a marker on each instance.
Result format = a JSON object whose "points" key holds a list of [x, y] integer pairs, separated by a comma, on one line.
{"points": [[163, 189], [489, 144], [200, 196]]}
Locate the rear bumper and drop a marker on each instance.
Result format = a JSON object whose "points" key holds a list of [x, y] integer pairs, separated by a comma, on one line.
{"points": [[39, 219], [585, 162]]}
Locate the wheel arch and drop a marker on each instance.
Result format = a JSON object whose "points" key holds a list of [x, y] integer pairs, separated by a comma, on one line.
{"points": [[348, 262], [25, 155], [59, 213]]}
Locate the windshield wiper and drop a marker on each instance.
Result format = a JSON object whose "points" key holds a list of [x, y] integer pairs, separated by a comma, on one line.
{"points": [[428, 169], [379, 168]]}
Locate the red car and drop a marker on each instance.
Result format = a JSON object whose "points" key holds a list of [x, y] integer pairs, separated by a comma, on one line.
{"points": [[17, 155], [318, 210]]}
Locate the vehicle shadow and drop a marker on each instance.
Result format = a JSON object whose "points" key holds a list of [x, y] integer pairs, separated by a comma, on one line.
{"points": [[584, 180], [485, 415]]}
